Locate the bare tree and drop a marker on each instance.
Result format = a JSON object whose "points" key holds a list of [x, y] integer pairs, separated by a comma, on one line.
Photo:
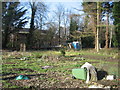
{"points": [[37, 11], [59, 15], [41, 15], [66, 21], [33, 7]]}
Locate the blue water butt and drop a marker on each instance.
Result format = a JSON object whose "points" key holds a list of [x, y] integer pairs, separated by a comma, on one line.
{"points": [[76, 45]]}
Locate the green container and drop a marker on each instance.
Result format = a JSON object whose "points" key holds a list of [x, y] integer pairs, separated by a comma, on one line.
{"points": [[79, 73]]}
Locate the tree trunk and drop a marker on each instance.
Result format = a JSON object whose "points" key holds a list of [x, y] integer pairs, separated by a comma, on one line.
{"points": [[94, 30], [24, 47], [110, 44], [1, 27], [106, 34], [95, 40], [59, 30], [5, 41], [21, 47], [31, 28], [41, 22], [98, 23], [65, 33], [6, 38], [80, 43]]}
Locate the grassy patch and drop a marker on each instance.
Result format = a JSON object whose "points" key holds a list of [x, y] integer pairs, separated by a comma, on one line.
{"points": [[6, 84], [61, 66]]}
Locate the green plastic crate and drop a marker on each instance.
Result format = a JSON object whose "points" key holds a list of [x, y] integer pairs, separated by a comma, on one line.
{"points": [[79, 73]]}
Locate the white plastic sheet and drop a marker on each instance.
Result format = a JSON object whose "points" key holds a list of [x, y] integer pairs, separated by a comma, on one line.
{"points": [[91, 72]]}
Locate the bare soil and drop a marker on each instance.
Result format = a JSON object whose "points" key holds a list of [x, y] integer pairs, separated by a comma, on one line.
{"points": [[56, 79]]}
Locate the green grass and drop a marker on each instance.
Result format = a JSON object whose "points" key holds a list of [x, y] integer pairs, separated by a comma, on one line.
{"points": [[63, 66], [87, 53], [5, 84]]}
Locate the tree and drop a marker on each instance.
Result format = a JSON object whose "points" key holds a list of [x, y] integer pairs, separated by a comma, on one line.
{"points": [[107, 9], [41, 15], [1, 27], [33, 7], [90, 8], [116, 16], [73, 26], [59, 15], [93, 9], [37, 12], [98, 23], [12, 19], [66, 22]]}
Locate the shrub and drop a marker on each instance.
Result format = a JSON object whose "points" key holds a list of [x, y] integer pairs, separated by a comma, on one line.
{"points": [[62, 52]]}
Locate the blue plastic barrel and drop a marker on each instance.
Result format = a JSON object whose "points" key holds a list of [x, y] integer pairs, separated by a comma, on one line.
{"points": [[76, 45]]}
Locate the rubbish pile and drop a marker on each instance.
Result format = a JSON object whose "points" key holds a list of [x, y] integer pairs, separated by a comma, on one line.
{"points": [[90, 71], [86, 72], [24, 58], [89, 74], [110, 77], [46, 67]]}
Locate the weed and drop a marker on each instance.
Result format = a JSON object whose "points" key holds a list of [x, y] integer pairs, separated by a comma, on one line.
{"points": [[62, 52], [62, 66]]}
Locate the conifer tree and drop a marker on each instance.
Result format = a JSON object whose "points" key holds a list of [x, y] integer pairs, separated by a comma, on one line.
{"points": [[12, 19], [73, 27], [116, 16]]}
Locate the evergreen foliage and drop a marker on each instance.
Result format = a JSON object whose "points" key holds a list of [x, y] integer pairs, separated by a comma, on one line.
{"points": [[12, 19], [116, 16], [73, 27]]}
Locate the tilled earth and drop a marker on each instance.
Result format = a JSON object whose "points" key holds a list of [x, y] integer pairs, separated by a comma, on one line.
{"points": [[58, 79]]}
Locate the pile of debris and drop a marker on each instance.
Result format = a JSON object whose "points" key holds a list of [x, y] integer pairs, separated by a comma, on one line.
{"points": [[89, 73]]}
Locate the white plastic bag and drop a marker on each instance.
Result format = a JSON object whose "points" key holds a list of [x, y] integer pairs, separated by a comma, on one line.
{"points": [[91, 72]]}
